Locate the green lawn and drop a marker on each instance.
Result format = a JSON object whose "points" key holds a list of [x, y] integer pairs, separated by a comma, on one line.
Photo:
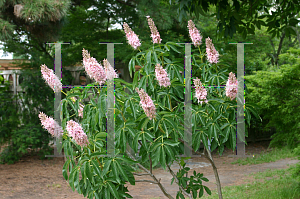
{"points": [[268, 184], [272, 156]]}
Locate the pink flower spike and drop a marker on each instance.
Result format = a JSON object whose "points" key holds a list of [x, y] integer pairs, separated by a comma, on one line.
{"points": [[76, 132], [162, 76], [132, 38], [93, 68], [212, 54], [201, 92], [146, 103], [154, 33], [231, 86], [51, 79], [50, 125], [80, 111], [194, 33], [109, 70]]}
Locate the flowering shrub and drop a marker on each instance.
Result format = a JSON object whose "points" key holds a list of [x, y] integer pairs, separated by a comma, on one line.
{"points": [[150, 115]]}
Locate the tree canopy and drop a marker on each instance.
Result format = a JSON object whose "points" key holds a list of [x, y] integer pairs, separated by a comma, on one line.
{"points": [[243, 17]]}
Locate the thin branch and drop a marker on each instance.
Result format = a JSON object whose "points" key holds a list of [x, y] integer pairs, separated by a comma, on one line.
{"points": [[279, 48], [177, 181], [140, 174], [209, 157], [146, 181], [150, 163], [153, 176]]}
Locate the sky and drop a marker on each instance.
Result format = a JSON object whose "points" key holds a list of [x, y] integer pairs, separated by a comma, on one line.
{"points": [[9, 56]]}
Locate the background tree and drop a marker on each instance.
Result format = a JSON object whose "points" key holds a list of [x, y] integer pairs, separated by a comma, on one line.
{"points": [[236, 16]]}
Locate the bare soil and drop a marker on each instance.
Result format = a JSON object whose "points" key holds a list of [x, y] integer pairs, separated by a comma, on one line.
{"points": [[31, 178]]}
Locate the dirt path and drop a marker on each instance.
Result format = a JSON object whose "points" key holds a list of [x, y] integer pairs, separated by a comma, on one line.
{"points": [[32, 178]]}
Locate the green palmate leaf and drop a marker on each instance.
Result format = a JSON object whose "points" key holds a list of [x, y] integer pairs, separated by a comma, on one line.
{"points": [[121, 171], [156, 156], [180, 195], [150, 82], [126, 159], [225, 125], [96, 167], [163, 156], [71, 104], [145, 145], [123, 140], [71, 178], [106, 167], [169, 153], [221, 148], [115, 171], [201, 192], [76, 181], [171, 123], [204, 140], [143, 82], [167, 60], [171, 143], [144, 123], [148, 57], [226, 132], [135, 142], [215, 128], [233, 138], [107, 193], [131, 66], [88, 172], [131, 131], [155, 57], [113, 190], [196, 140], [214, 145], [207, 190], [135, 80], [132, 108], [64, 170]]}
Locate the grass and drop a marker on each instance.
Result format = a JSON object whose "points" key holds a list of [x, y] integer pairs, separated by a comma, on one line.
{"points": [[272, 156], [277, 184], [267, 184]]}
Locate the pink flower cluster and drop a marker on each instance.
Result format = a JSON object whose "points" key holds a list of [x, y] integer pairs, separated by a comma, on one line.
{"points": [[77, 133], [109, 70], [201, 92], [132, 38], [154, 33], [146, 103], [162, 76], [50, 125], [194, 33], [212, 54], [51, 79], [93, 68], [231, 86], [80, 110]]}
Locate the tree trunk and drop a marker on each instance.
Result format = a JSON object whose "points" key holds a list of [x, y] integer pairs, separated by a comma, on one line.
{"points": [[279, 48], [209, 157], [107, 27]]}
